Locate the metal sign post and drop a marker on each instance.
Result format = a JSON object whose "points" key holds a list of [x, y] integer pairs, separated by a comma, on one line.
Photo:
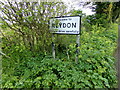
{"points": [[77, 48], [118, 55], [53, 46], [66, 25]]}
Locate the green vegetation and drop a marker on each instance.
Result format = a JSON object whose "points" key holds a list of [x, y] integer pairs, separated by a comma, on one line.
{"points": [[26, 48], [96, 67]]}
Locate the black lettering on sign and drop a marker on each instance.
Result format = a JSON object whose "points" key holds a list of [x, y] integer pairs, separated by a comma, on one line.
{"points": [[53, 25], [60, 24], [64, 25], [73, 25], [68, 25], [56, 26]]}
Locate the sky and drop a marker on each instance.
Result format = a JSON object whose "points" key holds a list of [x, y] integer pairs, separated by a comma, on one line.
{"points": [[76, 5]]}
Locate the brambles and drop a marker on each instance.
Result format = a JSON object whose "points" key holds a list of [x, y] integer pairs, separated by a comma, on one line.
{"points": [[27, 42], [95, 69]]}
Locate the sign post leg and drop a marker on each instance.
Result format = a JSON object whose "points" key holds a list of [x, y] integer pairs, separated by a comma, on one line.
{"points": [[77, 48], [53, 46], [118, 57]]}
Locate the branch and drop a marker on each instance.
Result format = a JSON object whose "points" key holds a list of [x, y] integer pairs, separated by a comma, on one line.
{"points": [[4, 54]]}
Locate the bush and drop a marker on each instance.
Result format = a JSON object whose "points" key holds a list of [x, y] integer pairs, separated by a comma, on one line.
{"points": [[49, 73], [95, 68]]}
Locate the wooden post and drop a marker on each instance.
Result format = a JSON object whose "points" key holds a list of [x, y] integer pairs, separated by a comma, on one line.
{"points": [[53, 46], [77, 48]]}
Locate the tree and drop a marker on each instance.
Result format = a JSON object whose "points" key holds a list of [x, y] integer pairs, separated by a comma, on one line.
{"points": [[28, 22], [111, 9], [76, 13]]}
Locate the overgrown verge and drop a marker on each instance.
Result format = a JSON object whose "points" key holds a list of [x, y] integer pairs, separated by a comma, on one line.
{"points": [[96, 68]]}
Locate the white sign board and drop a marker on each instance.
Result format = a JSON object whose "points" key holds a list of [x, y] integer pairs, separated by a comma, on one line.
{"points": [[65, 25]]}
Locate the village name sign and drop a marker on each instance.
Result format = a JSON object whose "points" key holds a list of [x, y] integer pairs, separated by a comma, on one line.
{"points": [[65, 25]]}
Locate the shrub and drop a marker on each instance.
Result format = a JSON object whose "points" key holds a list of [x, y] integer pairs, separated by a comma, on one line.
{"points": [[95, 68]]}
